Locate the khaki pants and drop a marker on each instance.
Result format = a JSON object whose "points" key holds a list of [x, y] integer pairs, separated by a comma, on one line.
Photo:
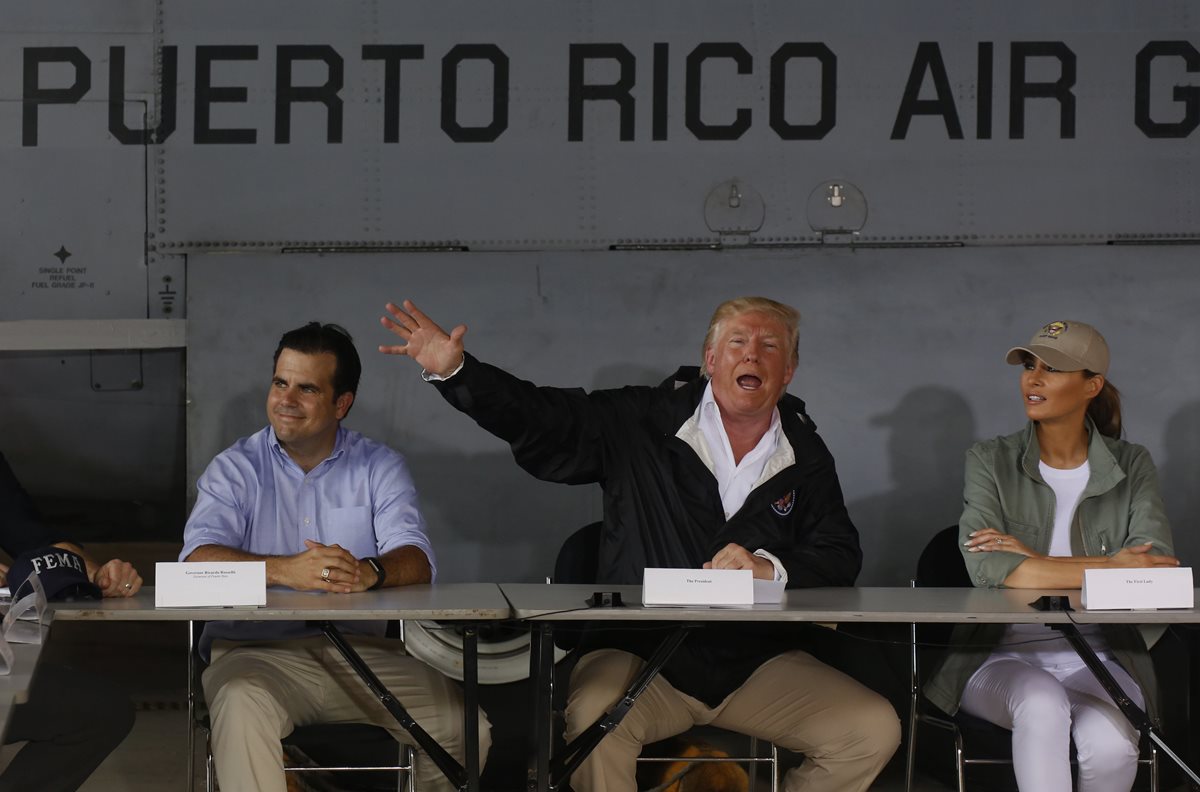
{"points": [[846, 731], [258, 693]]}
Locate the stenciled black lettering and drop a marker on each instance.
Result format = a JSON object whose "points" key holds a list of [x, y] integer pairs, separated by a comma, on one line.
{"points": [[1187, 95], [207, 94], [287, 94], [658, 104], [166, 99], [33, 94], [811, 50], [694, 77], [579, 92], [392, 55], [1021, 90], [928, 61], [450, 63], [983, 92]]}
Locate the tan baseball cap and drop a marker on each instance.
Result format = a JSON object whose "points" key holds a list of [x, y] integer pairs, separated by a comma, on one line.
{"points": [[1066, 346]]}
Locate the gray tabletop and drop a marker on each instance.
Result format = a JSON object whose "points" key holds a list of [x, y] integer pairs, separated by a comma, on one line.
{"points": [[1005, 606], [442, 601]]}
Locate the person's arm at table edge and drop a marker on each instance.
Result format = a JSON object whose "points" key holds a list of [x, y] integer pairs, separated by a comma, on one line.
{"points": [[300, 571], [403, 566]]}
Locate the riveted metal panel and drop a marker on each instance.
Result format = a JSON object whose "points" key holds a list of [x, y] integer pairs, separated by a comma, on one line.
{"points": [[73, 200], [961, 170]]}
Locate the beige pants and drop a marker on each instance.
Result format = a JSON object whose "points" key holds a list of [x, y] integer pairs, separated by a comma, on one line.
{"points": [[258, 693], [846, 732]]}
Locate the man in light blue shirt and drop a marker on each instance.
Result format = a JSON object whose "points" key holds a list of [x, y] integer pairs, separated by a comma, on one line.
{"points": [[327, 510]]}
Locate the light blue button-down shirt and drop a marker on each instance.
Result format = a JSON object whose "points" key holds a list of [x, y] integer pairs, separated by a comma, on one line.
{"points": [[253, 497]]}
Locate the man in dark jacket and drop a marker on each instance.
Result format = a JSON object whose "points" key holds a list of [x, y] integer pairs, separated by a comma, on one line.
{"points": [[73, 720], [726, 472]]}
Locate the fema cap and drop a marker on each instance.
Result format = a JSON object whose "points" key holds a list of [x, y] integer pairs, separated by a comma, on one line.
{"points": [[63, 574], [1066, 346]]}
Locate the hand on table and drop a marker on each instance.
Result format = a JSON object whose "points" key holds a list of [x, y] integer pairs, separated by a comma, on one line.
{"points": [[1139, 556], [319, 568], [734, 556], [118, 578], [989, 540]]}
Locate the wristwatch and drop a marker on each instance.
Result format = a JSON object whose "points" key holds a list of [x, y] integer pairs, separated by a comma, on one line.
{"points": [[380, 573]]}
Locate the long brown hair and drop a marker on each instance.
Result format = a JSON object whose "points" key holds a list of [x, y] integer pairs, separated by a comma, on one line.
{"points": [[1105, 408]]}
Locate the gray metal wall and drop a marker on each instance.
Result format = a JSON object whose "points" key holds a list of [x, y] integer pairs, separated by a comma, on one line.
{"points": [[901, 366], [120, 191]]}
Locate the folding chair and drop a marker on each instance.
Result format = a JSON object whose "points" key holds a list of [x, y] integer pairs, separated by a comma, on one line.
{"points": [[577, 562], [362, 749], [941, 565]]}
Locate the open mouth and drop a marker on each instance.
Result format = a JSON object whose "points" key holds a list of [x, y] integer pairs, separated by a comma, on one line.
{"points": [[1033, 398], [749, 382]]}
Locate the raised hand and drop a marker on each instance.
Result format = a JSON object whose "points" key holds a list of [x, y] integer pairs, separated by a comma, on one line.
{"points": [[435, 350]]}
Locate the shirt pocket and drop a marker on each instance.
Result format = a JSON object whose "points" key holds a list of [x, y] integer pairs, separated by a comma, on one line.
{"points": [[351, 527], [1028, 533]]}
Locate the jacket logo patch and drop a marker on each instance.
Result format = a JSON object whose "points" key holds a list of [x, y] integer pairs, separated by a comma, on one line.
{"points": [[783, 506]]}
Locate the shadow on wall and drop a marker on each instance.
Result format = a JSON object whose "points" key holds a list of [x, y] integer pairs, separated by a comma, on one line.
{"points": [[931, 429], [1179, 475]]}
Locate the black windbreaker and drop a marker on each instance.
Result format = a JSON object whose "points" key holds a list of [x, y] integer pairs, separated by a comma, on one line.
{"points": [[662, 507]]}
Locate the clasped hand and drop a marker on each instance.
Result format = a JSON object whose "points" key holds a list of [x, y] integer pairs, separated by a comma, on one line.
{"points": [[322, 568], [734, 556]]}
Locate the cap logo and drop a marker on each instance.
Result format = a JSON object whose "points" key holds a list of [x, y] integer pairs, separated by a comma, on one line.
{"points": [[1053, 330]]}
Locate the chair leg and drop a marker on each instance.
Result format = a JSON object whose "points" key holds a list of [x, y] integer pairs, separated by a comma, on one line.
{"points": [[753, 765], [210, 777], [191, 708], [774, 768], [1153, 768], [958, 761], [910, 757]]}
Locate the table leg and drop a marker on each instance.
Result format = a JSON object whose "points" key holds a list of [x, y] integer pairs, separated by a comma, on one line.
{"points": [[440, 757], [574, 754], [1135, 715], [541, 671], [471, 704]]}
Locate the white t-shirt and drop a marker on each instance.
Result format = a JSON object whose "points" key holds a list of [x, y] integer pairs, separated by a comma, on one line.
{"points": [[1037, 643]]}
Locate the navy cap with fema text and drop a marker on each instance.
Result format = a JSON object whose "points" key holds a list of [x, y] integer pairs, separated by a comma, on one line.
{"points": [[63, 574]]}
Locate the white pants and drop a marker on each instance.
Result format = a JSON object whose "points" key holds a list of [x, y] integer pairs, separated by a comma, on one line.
{"points": [[1045, 707], [258, 693]]}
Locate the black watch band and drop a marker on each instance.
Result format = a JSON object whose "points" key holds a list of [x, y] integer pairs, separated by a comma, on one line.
{"points": [[380, 572]]}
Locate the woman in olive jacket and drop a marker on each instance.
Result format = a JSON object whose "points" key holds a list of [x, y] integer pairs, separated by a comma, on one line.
{"points": [[1063, 495]]}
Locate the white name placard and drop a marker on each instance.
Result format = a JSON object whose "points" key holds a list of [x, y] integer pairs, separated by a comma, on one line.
{"points": [[210, 584], [1134, 589], [697, 587]]}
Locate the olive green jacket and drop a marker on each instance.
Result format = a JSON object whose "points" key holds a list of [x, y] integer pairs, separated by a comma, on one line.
{"points": [[1120, 507]]}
